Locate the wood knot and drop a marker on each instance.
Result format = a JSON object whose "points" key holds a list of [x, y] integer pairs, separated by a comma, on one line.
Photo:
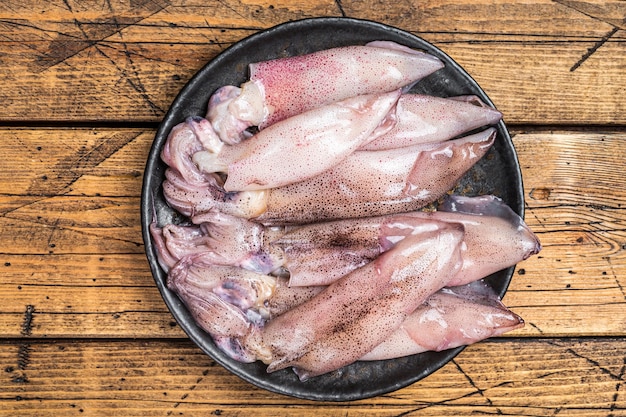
{"points": [[540, 193]]}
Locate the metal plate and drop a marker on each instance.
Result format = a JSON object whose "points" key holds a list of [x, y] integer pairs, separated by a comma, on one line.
{"points": [[497, 173]]}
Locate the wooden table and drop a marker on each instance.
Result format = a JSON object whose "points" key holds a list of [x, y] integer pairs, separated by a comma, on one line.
{"points": [[83, 329]]}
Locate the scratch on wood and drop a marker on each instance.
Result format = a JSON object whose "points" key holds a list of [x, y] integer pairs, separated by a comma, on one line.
{"points": [[136, 83], [615, 277], [476, 387], [340, 7], [534, 326], [231, 8], [618, 386], [530, 210], [593, 49], [191, 388], [593, 362], [68, 6], [72, 167], [27, 324], [590, 9], [23, 356], [65, 45], [577, 7]]}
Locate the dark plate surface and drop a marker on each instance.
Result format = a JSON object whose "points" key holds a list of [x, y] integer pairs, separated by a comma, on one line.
{"points": [[498, 173]]}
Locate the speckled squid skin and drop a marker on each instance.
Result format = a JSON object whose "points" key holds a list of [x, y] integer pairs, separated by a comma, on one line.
{"points": [[319, 253], [373, 183], [390, 288], [450, 318], [281, 88], [348, 183], [243, 300], [306, 144]]}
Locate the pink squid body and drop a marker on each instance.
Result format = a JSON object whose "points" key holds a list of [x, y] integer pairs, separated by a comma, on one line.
{"points": [[284, 87], [302, 146], [425, 119], [450, 318], [319, 253], [495, 236], [372, 183], [355, 321], [351, 183]]}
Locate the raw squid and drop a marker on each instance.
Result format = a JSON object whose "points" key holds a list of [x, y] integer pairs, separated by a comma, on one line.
{"points": [[221, 240], [371, 183], [314, 141], [365, 183], [424, 119], [305, 248], [495, 236], [232, 304], [493, 241], [450, 318], [320, 253], [281, 88], [390, 288]]}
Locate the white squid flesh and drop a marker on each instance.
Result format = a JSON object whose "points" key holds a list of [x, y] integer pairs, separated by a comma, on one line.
{"points": [[301, 146], [424, 119]]}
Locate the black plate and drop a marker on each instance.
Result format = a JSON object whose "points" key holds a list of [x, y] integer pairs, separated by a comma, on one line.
{"points": [[498, 173]]}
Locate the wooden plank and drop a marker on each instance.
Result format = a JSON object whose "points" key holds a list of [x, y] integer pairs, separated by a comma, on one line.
{"points": [[543, 377], [51, 162], [542, 62], [69, 233], [76, 241], [574, 204]]}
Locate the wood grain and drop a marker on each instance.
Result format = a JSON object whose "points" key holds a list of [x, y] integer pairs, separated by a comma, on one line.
{"points": [[541, 62], [542, 377], [83, 328]]}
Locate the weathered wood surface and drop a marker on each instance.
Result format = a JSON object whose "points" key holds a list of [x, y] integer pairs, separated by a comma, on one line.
{"points": [[83, 329], [543, 377], [541, 62]]}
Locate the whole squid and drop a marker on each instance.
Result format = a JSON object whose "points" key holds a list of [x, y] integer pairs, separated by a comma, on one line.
{"points": [[365, 183], [281, 88], [320, 253], [370, 183]]}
